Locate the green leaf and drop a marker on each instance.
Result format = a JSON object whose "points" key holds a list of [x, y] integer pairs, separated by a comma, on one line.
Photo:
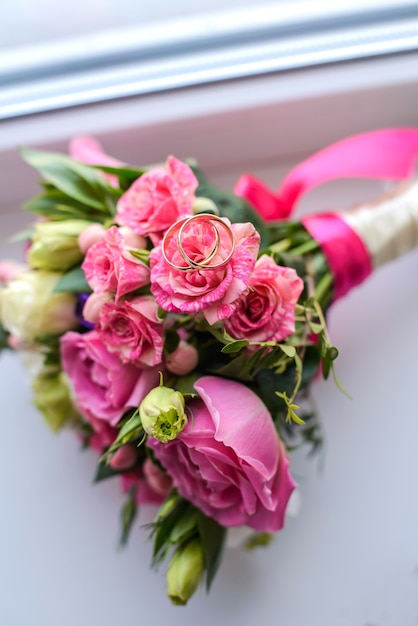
{"points": [[289, 351], [3, 338], [73, 281], [172, 340], [213, 537], [185, 527], [235, 346], [164, 527], [315, 327], [79, 181], [128, 515], [125, 174], [141, 255], [57, 205], [104, 471]]}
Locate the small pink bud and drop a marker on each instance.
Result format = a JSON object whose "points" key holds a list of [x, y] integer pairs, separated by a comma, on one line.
{"points": [[93, 305], [90, 235], [124, 458], [158, 480], [9, 270], [183, 360], [132, 240]]}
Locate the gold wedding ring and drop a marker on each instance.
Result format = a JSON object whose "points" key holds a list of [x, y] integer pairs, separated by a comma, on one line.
{"points": [[179, 230]]}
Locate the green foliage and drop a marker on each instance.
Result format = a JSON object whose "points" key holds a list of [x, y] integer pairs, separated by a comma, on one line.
{"points": [[179, 522], [79, 182], [141, 255], [212, 536], [126, 175], [3, 338], [73, 281], [171, 342], [130, 431], [128, 515]]}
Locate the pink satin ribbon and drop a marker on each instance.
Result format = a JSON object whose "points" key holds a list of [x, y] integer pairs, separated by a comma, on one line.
{"points": [[383, 154]]}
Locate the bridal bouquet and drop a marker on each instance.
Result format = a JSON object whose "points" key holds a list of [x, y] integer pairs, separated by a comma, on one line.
{"points": [[176, 328]]}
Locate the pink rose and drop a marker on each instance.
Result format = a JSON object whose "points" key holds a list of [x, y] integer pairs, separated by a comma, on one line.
{"points": [[104, 387], [215, 292], [133, 329], [109, 266], [158, 198], [267, 311], [229, 461]]}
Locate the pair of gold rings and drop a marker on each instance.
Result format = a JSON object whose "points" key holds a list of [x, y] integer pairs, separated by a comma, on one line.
{"points": [[181, 229]]}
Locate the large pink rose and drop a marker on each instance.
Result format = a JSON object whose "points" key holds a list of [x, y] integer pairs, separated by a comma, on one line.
{"points": [[104, 387], [215, 292], [133, 329], [229, 461], [158, 198], [267, 311], [109, 266]]}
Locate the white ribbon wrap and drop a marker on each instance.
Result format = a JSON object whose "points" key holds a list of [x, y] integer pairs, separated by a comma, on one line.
{"points": [[388, 227]]}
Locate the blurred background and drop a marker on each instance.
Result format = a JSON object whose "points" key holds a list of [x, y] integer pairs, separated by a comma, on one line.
{"points": [[242, 88]]}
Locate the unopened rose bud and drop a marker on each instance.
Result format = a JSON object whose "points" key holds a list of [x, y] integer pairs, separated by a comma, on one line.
{"points": [[89, 236], [183, 360], [55, 245], [93, 305], [124, 458], [162, 413], [158, 480], [185, 572], [131, 239]]}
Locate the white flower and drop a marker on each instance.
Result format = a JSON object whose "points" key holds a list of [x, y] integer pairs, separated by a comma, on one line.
{"points": [[29, 309]]}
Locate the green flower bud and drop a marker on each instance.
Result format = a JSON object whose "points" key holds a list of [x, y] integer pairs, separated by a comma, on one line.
{"points": [[55, 245], [52, 399], [185, 572], [162, 413]]}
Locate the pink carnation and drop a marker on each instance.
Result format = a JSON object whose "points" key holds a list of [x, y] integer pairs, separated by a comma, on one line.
{"points": [[104, 387], [215, 292], [267, 311], [229, 461], [133, 329], [158, 198], [109, 266]]}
